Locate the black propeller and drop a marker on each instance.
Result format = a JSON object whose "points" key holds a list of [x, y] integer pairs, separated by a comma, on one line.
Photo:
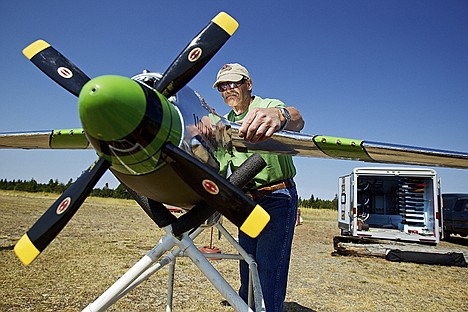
{"points": [[57, 216], [202, 210], [219, 192], [197, 53], [66, 74], [56, 66]]}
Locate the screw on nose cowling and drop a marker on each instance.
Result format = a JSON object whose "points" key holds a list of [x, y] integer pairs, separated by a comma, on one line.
{"points": [[111, 107]]}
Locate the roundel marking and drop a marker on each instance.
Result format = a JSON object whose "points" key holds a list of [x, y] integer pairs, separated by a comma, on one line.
{"points": [[195, 54], [210, 187], [63, 205], [65, 72]]}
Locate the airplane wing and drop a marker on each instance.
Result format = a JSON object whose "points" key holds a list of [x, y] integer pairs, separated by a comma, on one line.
{"points": [[283, 142], [51, 139], [299, 144]]}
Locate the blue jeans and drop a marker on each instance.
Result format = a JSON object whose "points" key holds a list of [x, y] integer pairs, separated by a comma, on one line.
{"points": [[272, 248]]}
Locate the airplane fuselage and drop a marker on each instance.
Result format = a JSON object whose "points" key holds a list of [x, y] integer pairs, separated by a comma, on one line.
{"points": [[128, 122]]}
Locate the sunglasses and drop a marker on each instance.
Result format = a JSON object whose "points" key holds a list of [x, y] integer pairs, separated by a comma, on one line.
{"points": [[223, 86]]}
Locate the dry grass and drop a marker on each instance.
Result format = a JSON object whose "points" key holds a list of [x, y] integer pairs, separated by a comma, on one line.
{"points": [[108, 236]]}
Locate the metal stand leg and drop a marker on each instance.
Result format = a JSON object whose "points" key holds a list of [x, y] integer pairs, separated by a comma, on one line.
{"points": [[170, 285], [255, 288], [147, 266]]}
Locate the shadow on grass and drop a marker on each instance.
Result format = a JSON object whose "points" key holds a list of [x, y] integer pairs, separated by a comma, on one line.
{"points": [[2, 248], [296, 307]]}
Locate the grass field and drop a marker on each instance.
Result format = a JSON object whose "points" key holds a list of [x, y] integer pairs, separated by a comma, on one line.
{"points": [[107, 236]]}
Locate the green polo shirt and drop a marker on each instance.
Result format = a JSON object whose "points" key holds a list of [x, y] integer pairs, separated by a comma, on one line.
{"points": [[278, 167]]}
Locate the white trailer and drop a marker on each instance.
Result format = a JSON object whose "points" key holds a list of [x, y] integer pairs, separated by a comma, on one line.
{"points": [[390, 203]]}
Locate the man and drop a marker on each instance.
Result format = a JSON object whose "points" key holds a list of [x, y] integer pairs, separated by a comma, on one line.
{"points": [[274, 187]]}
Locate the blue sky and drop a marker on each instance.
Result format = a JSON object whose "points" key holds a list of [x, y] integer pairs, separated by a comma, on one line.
{"points": [[388, 71]]}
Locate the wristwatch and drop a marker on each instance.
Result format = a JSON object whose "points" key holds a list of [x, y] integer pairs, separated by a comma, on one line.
{"points": [[286, 116]]}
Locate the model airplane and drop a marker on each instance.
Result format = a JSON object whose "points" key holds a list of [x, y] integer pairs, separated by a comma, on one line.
{"points": [[160, 139]]}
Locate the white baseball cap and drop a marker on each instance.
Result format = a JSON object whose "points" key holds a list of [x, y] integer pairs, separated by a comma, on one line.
{"points": [[231, 72]]}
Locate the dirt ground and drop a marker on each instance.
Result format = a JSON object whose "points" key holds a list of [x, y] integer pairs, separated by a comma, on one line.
{"points": [[106, 237]]}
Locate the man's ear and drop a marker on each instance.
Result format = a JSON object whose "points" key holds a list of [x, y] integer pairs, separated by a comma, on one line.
{"points": [[249, 84]]}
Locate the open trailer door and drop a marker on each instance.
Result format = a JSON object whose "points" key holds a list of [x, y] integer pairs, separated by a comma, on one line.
{"points": [[344, 206]]}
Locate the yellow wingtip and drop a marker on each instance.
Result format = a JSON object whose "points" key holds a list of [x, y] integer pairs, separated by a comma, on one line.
{"points": [[25, 250], [226, 22], [34, 48], [255, 222]]}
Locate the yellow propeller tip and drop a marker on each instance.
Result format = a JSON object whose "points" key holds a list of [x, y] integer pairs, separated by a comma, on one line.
{"points": [[255, 222], [34, 48], [226, 22], [25, 250]]}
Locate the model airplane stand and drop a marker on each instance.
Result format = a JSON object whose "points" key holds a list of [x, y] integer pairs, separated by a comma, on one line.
{"points": [[178, 241], [184, 247]]}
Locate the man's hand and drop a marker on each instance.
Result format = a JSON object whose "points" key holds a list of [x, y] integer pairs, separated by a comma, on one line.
{"points": [[260, 123]]}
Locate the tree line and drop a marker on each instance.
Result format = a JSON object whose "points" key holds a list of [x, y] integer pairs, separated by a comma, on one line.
{"points": [[318, 203], [54, 186]]}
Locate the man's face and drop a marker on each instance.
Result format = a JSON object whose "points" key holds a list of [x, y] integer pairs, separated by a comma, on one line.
{"points": [[237, 95]]}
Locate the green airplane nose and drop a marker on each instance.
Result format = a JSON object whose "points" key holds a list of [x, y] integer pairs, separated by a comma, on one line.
{"points": [[128, 123], [111, 107]]}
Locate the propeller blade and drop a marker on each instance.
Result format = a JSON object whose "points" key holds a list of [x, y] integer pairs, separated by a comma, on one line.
{"points": [[56, 66], [57, 216], [197, 53], [218, 192]]}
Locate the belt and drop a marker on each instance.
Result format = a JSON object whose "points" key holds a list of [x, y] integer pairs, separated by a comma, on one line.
{"points": [[270, 188]]}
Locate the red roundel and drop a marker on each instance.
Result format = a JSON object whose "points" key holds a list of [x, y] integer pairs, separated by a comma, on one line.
{"points": [[210, 187], [195, 54], [63, 205], [65, 72]]}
